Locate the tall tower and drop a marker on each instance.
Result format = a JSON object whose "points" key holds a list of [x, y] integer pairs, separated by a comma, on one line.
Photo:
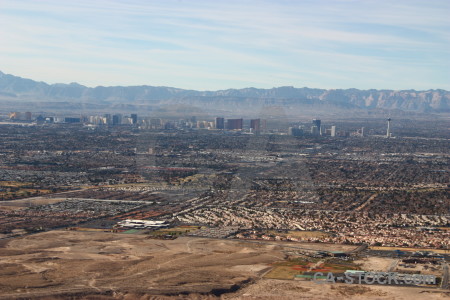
{"points": [[317, 123], [234, 124], [333, 131], [220, 123], [255, 124], [388, 132], [134, 119]]}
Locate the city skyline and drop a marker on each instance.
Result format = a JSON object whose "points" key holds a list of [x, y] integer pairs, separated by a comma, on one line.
{"points": [[212, 46]]}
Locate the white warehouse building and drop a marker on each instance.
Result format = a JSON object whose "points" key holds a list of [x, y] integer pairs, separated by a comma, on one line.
{"points": [[142, 223]]}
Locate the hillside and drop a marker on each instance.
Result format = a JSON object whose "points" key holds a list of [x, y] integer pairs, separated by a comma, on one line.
{"points": [[17, 89]]}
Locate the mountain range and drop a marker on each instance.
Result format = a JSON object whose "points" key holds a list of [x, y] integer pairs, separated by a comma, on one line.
{"points": [[16, 89]]}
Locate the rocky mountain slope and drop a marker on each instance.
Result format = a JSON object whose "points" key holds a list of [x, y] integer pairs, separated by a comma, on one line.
{"points": [[13, 88]]}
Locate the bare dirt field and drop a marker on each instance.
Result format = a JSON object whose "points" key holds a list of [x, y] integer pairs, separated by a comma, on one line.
{"points": [[293, 290], [29, 202], [101, 265], [377, 264], [9, 208], [63, 263]]}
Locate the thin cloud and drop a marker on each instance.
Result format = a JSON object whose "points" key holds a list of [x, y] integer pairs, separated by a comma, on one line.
{"points": [[194, 43]]}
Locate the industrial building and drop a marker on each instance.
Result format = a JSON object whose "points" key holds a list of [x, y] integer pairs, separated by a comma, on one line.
{"points": [[129, 223]]}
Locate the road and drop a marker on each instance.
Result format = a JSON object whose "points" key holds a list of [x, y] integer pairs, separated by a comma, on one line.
{"points": [[445, 277], [282, 245], [112, 200], [393, 265]]}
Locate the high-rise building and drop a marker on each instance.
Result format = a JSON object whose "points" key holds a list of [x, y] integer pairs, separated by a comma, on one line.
{"points": [[117, 119], [14, 115], [28, 116], [220, 123], [263, 125], [333, 131], [134, 119], [234, 124], [388, 132], [293, 131], [40, 119], [169, 125], [72, 120], [107, 118], [155, 123], [255, 125], [201, 124], [317, 123], [315, 130]]}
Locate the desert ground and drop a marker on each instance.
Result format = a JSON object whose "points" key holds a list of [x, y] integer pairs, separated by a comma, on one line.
{"points": [[290, 290], [29, 202], [101, 265]]}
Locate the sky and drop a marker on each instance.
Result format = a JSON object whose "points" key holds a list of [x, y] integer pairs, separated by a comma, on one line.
{"points": [[214, 45]]}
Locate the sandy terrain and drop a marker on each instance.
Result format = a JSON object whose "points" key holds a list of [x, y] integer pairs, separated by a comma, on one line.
{"points": [[78, 265], [293, 290], [10, 208], [379, 264], [28, 202]]}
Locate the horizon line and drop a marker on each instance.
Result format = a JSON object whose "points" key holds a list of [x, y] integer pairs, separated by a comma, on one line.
{"points": [[227, 89]]}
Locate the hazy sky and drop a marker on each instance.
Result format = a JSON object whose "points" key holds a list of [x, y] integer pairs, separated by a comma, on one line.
{"points": [[209, 45]]}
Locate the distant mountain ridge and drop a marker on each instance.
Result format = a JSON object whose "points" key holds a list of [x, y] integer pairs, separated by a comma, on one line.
{"points": [[13, 88]]}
